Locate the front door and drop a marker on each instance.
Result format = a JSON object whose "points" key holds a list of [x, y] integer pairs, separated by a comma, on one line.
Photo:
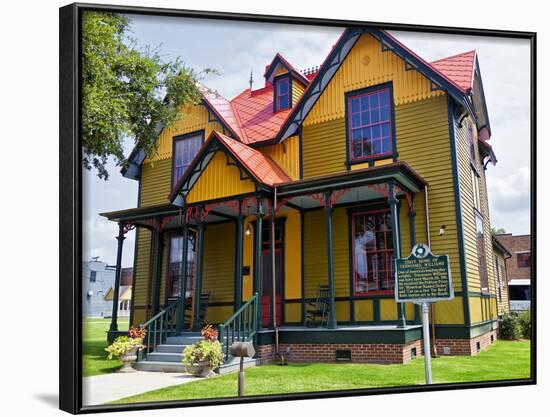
{"points": [[267, 275]]}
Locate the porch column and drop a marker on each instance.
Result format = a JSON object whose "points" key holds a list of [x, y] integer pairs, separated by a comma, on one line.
{"points": [[258, 254], [197, 325], [273, 268], [183, 275], [157, 268], [114, 316], [332, 324], [393, 201], [239, 259]]}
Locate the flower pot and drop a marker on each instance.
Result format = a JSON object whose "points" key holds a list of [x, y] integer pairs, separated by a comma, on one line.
{"points": [[201, 369], [129, 357]]}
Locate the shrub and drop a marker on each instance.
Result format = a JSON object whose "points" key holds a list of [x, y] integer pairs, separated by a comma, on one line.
{"points": [[524, 321], [204, 351], [122, 345], [509, 327]]}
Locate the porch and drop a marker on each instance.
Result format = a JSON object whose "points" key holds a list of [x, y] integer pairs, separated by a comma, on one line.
{"points": [[264, 281]]}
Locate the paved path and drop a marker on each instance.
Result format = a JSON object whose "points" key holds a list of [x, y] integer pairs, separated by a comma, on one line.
{"points": [[102, 389]]}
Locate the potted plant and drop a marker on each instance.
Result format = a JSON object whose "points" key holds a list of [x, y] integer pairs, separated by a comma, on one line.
{"points": [[125, 348], [205, 356]]}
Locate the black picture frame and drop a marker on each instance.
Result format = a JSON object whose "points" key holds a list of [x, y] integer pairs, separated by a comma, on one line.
{"points": [[70, 205]]}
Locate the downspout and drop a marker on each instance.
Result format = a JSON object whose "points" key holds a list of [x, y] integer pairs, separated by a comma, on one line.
{"points": [[432, 308], [274, 279]]}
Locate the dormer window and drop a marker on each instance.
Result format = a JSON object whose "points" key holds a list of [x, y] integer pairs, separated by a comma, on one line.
{"points": [[282, 93]]}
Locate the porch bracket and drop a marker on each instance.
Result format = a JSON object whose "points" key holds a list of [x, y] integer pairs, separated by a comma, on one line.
{"points": [[393, 201], [332, 324]]}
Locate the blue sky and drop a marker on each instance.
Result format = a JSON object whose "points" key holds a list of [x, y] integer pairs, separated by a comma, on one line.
{"points": [[236, 48]]}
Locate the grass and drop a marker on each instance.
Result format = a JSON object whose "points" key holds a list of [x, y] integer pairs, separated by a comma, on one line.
{"points": [[503, 360], [94, 342]]}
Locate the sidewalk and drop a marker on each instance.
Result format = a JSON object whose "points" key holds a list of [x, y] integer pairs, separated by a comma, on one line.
{"points": [[102, 389]]}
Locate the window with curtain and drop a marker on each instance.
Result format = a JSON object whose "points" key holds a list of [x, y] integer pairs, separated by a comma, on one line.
{"points": [[373, 260], [369, 124], [185, 149], [174, 266]]}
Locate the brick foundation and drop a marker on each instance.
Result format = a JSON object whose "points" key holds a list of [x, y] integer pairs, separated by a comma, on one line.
{"points": [[326, 352], [381, 353], [466, 347]]}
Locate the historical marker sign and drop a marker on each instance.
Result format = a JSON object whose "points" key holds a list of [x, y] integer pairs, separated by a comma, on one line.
{"points": [[423, 277]]}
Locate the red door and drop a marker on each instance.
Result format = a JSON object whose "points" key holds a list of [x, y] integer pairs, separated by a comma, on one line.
{"points": [[267, 281]]}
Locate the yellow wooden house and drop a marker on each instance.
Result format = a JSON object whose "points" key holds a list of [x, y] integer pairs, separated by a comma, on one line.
{"points": [[258, 212]]}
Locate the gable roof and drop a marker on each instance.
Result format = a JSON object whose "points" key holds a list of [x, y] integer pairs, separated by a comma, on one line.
{"points": [[460, 68], [337, 56], [257, 165], [279, 61]]}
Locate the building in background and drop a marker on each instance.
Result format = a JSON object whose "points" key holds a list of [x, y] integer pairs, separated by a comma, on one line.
{"points": [[518, 268], [98, 280], [124, 294]]}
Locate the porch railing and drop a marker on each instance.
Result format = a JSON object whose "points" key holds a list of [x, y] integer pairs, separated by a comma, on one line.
{"points": [[159, 327], [241, 326]]}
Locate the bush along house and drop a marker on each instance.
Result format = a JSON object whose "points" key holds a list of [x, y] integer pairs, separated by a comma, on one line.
{"points": [[277, 215]]}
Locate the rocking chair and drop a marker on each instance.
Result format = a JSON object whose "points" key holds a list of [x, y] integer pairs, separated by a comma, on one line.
{"points": [[319, 309]]}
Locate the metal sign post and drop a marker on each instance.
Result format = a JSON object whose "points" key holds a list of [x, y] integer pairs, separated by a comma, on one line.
{"points": [[423, 278], [426, 333]]}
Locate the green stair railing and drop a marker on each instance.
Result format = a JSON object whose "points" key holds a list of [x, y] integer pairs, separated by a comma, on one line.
{"points": [[241, 326], [159, 327]]}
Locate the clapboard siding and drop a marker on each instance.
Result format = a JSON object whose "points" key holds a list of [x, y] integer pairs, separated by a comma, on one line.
{"points": [[219, 262], [315, 254], [155, 182]]}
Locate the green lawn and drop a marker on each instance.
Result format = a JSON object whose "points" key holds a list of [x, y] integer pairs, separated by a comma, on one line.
{"points": [[504, 360], [94, 342]]}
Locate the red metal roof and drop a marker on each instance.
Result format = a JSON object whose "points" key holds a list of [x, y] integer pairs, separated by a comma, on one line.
{"points": [[255, 115], [459, 68], [265, 169]]}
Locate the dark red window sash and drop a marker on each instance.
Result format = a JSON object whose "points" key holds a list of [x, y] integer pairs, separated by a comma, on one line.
{"points": [[362, 126], [384, 275]]}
